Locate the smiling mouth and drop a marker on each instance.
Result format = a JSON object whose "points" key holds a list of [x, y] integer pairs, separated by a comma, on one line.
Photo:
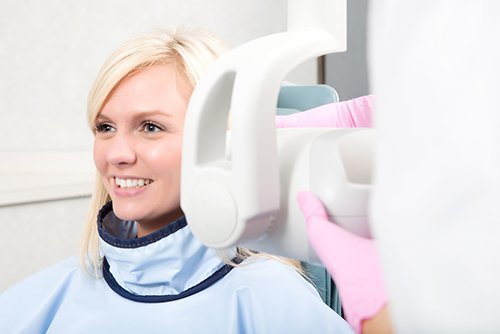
{"points": [[132, 183]]}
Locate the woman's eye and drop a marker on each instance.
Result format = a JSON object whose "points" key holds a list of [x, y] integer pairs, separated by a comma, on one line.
{"points": [[104, 127], [151, 127]]}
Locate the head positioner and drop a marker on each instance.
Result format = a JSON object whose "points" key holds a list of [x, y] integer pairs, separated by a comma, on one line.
{"points": [[236, 199]]}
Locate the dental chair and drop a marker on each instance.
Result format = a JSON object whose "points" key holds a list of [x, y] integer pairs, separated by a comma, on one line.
{"points": [[295, 98]]}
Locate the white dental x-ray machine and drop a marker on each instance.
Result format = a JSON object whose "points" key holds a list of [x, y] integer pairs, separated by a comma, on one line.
{"points": [[242, 190]]}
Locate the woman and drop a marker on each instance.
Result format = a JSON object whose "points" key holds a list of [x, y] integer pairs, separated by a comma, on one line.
{"points": [[143, 269]]}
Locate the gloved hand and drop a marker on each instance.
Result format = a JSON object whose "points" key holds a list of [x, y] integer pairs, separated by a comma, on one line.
{"points": [[347, 114], [351, 260]]}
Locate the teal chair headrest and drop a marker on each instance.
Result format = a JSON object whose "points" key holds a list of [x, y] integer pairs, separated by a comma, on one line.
{"points": [[295, 98]]}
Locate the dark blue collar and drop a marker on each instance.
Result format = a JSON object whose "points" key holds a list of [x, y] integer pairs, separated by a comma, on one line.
{"points": [[117, 232], [166, 265]]}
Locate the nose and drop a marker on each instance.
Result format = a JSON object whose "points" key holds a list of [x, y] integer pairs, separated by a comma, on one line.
{"points": [[121, 151]]}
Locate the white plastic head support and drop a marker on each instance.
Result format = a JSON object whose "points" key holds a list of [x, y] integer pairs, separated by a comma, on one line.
{"points": [[232, 201]]}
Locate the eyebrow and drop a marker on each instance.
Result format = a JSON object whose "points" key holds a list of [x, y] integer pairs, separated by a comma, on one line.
{"points": [[140, 114]]}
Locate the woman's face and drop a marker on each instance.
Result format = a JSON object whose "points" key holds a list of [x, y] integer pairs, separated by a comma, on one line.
{"points": [[138, 143]]}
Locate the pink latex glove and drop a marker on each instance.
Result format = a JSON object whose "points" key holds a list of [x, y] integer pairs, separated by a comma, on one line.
{"points": [[347, 114], [351, 260]]}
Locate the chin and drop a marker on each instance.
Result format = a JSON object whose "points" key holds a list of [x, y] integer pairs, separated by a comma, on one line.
{"points": [[127, 211]]}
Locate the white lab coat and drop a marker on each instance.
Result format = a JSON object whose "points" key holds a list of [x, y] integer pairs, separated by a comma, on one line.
{"points": [[435, 70]]}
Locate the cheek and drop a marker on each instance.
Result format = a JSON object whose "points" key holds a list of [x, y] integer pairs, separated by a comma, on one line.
{"points": [[165, 159]]}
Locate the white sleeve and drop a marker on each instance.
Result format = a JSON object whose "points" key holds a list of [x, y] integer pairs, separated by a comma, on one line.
{"points": [[436, 208]]}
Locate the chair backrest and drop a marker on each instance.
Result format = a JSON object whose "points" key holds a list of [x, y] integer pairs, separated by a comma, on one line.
{"points": [[323, 282], [296, 98]]}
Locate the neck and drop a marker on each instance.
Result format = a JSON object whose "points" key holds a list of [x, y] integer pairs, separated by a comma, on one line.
{"points": [[146, 227]]}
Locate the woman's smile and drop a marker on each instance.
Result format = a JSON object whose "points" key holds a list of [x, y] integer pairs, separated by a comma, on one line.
{"points": [[123, 183], [129, 187]]}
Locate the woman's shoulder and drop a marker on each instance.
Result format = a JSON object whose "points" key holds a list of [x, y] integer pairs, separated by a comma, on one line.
{"points": [[275, 295], [270, 276], [53, 273], [265, 270], [30, 302]]}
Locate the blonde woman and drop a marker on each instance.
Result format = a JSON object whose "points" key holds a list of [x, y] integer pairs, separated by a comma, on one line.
{"points": [[141, 268]]}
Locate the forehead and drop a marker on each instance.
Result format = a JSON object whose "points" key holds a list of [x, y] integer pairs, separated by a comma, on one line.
{"points": [[158, 87]]}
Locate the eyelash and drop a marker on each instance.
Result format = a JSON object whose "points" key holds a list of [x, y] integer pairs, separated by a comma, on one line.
{"points": [[149, 123], [103, 127]]}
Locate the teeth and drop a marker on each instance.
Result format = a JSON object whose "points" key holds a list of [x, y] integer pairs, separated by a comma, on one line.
{"points": [[132, 183]]}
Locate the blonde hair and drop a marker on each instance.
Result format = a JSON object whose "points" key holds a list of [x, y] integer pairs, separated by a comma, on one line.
{"points": [[191, 51]]}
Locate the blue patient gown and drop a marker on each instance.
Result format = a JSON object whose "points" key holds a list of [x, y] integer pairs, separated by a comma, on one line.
{"points": [[166, 282]]}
